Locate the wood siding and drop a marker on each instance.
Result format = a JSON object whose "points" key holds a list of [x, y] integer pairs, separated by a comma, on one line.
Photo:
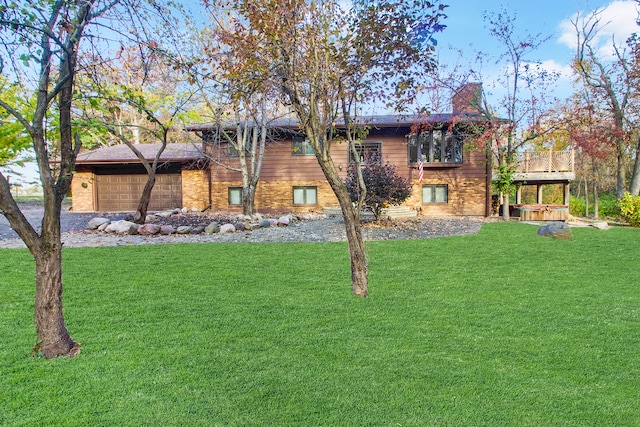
{"points": [[282, 171]]}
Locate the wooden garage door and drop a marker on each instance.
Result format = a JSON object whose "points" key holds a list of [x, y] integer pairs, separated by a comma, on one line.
{"points": [[121, 193]]}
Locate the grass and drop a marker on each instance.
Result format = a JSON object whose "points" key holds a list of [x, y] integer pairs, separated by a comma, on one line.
{"points": [[502, 328]]}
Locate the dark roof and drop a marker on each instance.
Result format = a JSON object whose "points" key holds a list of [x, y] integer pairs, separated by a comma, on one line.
{"points": [[381, 121], [177, 152]]}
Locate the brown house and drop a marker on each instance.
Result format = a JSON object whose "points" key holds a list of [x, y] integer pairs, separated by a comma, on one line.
{"points": [[455, 181]]}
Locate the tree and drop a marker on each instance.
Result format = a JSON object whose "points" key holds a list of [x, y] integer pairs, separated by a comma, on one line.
{"points": [[384, 186], [137, 99], [614, 81], [42, 45], [523, 105], [326, 62]]}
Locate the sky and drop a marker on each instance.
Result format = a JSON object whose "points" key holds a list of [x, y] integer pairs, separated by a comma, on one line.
{"points": [[466, 30]]}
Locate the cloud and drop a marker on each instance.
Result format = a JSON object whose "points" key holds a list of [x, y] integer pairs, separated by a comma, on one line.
{"points": [[617, 22]]}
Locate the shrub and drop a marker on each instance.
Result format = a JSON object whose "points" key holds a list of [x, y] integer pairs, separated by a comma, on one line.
{"points": [[630, 209], [384, 186]]}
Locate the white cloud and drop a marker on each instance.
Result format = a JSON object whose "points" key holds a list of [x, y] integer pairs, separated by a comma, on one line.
{"points": [[617, 22]]}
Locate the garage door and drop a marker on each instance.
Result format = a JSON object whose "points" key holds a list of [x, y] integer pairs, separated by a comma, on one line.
{"points": [[121, 193]]}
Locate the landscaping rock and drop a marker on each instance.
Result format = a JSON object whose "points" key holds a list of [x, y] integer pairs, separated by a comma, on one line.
{"points": [[94, 223], [264, 223], [212, 228], [227, 228], [167, 229], [284, 220], [104, 226], [600, 225], [183, 229], [239, 226], [197, 230], [122, 227], [556, 230], [149, 229]]}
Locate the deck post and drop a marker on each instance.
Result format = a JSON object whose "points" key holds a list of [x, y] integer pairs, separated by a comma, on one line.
{"points": [[539, 196], [567, 193]]}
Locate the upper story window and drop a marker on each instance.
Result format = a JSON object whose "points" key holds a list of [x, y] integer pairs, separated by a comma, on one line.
{"points": [[300, 146], [367, 151], [436, 146]]}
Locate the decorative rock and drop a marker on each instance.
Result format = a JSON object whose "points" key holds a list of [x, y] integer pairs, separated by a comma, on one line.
{"points": [[104, 226], [264, 223], [94, 223], [227, 228], [164, 214], [239, 226], [284, 220], [273, 222], [197, 230], [184, 210], [151, 218], [149, 229], [122, 227], [600, 225], [129, 217], [212, 228], [251, 226], [556, 230], [183, 229], [167, 229]]}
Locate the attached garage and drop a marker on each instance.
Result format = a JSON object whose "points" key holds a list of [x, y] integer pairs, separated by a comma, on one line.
{"points": [[121, 193], [112, 179]]}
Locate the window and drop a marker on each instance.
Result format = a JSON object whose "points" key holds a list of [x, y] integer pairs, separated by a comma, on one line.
{"points": [[436, 146], [305, 195], [366, 151], [300, 146], [235, 196], [435, 194]]}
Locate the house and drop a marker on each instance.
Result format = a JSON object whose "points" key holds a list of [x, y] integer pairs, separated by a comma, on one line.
{"points": [[456, 178]]}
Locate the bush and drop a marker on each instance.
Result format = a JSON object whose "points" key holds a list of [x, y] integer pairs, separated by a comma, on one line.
{"points": [[607, 206], [384, 186], [630, 209]]}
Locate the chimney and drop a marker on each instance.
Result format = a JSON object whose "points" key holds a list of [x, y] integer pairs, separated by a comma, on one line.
{"points": [[467, 99]]}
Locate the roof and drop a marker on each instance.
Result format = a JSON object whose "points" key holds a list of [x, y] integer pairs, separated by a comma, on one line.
{"points": [[176, 152], [380, 121]]}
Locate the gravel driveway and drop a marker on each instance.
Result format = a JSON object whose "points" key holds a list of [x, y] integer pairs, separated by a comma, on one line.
{"points": [[325, 229]]}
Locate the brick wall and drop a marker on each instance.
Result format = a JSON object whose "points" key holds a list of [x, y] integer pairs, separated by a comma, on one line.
{"points": [[83, 192], [195, 189]]}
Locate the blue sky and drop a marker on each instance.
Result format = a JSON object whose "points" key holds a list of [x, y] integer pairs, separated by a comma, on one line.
{"points": [[467, 30]]}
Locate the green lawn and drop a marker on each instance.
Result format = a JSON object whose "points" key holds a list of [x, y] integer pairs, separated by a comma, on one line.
{"points": [[502, 328]]}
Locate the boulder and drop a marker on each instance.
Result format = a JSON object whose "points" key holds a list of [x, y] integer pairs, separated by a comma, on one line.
{"points": [[556, 230], [183, 229], [264, 223], [151, 218], [129, 217], [284, 220], [239, 226], [601, 225], [104, 226], [167, 229], [149, 229], [212, 228], [197, 229], [122, 227], [94, 223], [227, 228], [273, 222]]}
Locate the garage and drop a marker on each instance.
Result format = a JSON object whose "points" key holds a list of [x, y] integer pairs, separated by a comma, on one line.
{"points": [[111, 179], [121, 193]]}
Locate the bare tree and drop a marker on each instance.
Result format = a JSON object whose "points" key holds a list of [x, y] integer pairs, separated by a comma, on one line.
{"points": [[42, 45]]}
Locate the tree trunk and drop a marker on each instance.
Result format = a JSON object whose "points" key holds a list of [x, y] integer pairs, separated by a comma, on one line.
{"points": [[634, 188], [586, 199], [506, 215], [52, 337], [621, 178], [359, 270], [143, 204], [596, 214]]}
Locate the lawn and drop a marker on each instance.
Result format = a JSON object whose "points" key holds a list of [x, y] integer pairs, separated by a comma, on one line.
{"points": [[501, 328]]}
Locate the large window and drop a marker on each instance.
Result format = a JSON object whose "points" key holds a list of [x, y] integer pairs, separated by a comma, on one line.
{"points": [[367, 151], [305, 195], [435, 194], [235, 196], [300, 146], [436, 146]]}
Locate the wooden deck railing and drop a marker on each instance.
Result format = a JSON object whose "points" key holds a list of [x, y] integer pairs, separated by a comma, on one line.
{"points": [[546, 161]]}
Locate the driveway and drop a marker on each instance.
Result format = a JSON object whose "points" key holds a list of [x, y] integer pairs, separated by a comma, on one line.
{"points": [[70, 221]]}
